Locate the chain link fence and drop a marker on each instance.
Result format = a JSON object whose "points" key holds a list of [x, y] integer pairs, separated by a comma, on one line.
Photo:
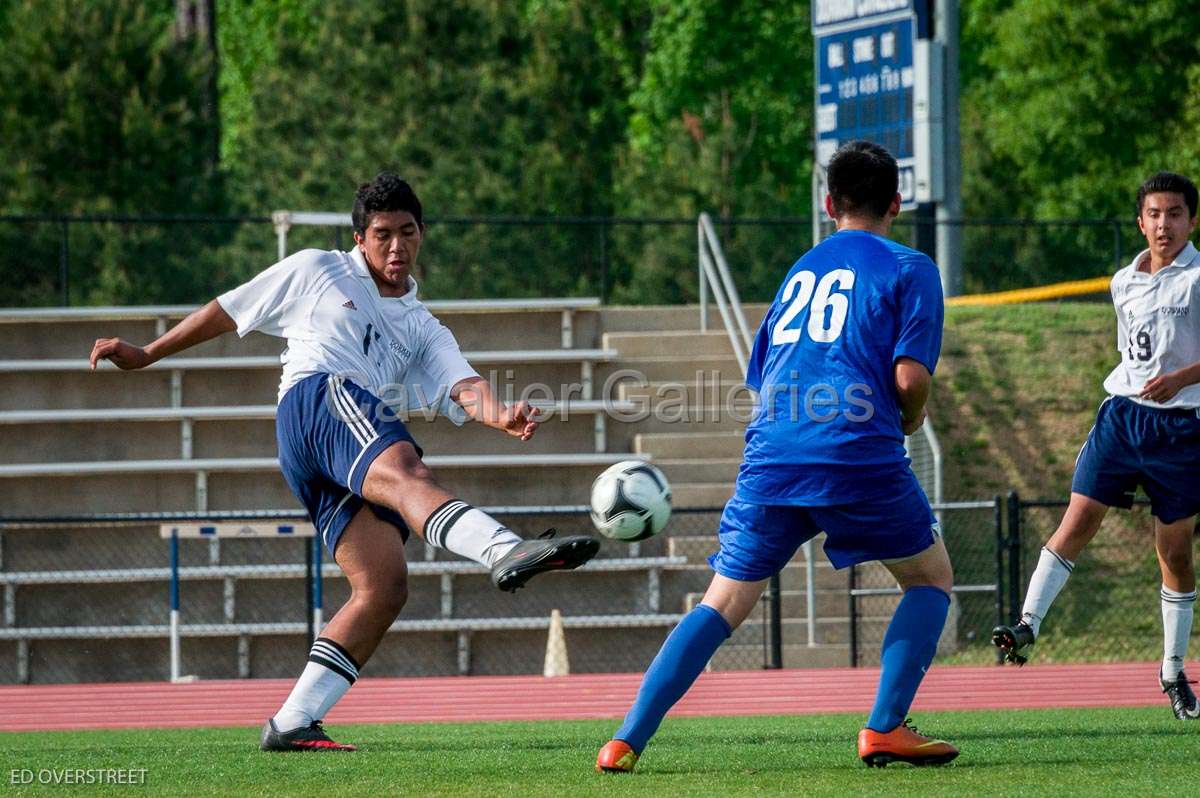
{"points": [[90, 599], [973, 533], [68, 260]]}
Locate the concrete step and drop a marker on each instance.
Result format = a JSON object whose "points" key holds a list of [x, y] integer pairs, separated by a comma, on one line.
{"points": [[708, 495], [473, 330], [148, 440], [672, 317], [669, 445], [665, 368], [699, 470], [707, 391], [266, 490], [684, 344]]}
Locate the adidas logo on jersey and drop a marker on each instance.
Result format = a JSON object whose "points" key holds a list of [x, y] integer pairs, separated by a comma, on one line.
{"points": [[349, 303]]}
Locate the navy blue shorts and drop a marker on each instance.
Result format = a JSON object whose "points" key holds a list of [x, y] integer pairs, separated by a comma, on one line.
{"points": [[330, 431], [1132, 444], [757, 540]]}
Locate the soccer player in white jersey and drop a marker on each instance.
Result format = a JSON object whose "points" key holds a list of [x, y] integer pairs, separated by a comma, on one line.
{"points": [[357, 335], [1147, 432]]}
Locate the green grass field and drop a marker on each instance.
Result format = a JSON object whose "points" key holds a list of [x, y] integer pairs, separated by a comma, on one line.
{"points": [[1126, 752]]}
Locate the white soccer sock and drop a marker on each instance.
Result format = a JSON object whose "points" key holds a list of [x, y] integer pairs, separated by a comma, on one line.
{"points": [[1047, 580], [458, 527], [1177, 628], [326, 678]]}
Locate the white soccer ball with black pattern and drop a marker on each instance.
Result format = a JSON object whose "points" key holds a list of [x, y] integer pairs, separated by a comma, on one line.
{"points": [[630, 501]]}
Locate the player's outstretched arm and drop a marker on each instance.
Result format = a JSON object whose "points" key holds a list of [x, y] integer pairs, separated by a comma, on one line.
{"points": [[913, 383], [199, 326], [475, 396]]}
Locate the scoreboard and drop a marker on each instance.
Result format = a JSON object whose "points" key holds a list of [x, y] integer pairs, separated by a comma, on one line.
{"points": [[872, 82]]}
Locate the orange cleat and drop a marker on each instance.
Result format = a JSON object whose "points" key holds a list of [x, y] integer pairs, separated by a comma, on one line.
{"points": [[902, 744], [616, 757]]}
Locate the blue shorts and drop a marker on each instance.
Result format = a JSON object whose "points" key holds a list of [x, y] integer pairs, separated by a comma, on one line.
{"points": [[1132, 444], [757, 540], [330, 431]]}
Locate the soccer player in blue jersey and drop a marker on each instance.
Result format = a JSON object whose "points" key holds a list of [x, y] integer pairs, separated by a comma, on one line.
{"points": [[1147, 432], [843, 364], [358, 335]]}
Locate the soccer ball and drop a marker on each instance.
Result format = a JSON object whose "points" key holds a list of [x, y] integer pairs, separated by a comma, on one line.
{"points": [[630, 501]]}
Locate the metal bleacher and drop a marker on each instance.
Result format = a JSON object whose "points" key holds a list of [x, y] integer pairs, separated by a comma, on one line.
{"points": [[196, 434]]}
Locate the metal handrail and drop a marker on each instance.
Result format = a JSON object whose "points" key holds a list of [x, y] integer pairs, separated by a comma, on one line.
{"points": [[714, 274]]}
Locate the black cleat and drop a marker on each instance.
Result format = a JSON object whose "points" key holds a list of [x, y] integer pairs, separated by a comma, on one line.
{"points": [[544, 553], [1183, 700], [306, 738], [1011, 639]]}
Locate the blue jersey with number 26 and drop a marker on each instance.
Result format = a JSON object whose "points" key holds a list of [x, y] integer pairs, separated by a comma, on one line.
{"points": [[827, 427]]}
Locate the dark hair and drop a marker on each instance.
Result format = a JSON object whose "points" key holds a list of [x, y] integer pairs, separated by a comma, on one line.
{"points": [[387, 192], [863, 178], [1172, 183]]}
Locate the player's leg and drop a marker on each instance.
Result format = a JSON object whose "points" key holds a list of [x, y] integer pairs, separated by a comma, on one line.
{"points": [[1174, 543], [371, 554], [682, 658], [1106, 475], [398, 480], [756, 541], [386, 469], [911, 638], [1079, 525], [908, 649], [898, 528]]}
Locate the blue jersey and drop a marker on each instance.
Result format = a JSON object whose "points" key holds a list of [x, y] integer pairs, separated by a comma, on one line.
{"points": [[827, 427]]}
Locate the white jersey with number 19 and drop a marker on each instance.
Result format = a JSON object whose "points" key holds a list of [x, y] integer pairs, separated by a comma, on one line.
{"points": [[1158, 326], [327, 307]]}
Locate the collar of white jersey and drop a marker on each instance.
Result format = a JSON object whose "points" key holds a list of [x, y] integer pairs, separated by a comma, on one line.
{"points": [[1188, 256], [360, 270]]}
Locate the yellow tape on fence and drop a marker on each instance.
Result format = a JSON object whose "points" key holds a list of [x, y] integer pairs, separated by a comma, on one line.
{"points": [[1041, 293]]}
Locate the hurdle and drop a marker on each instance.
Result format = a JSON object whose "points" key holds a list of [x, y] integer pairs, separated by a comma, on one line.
{"points": [[242, 530]]}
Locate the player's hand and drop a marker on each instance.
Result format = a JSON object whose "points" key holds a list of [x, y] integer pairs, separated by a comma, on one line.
{"points": [[120, 353], [910, 427], [1163, 387], [520, 420]]}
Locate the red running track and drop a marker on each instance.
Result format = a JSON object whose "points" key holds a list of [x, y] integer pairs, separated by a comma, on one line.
{"points": [[473, 698]]}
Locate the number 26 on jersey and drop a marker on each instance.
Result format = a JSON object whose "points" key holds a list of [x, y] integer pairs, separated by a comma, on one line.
{"points": [[827, 306]]}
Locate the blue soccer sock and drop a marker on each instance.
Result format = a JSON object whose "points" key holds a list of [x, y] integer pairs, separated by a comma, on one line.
{"points": [[908, 648], [684, 654]]}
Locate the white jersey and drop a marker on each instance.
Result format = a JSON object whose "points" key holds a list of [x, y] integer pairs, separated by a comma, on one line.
{"points": [[1158, 326], [328, 308]]}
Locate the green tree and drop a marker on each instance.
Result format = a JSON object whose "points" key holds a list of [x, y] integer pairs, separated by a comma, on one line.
{"points": [[100, 113], [721, 121], [1066, 109]]}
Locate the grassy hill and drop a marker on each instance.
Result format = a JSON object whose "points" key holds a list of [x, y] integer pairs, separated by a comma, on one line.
{"points": [[1016, 393]]}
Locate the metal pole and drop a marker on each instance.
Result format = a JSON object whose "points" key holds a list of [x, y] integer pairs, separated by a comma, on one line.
{"points": [[775, 608], [310, 596], [174, 617], [853, 617], [603, 262], [1014, 555], [810, 593], [949, 210], [703, 284], [998, 523], [64, 263], [318, 585]]}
